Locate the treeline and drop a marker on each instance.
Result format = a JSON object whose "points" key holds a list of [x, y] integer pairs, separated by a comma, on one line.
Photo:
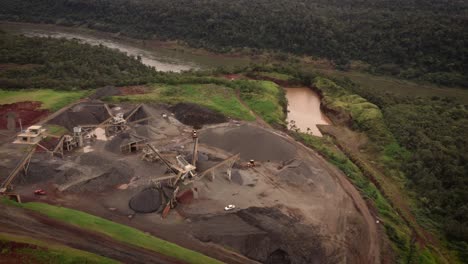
{"points": [[418, 39], [35, 62], [434, 131]]}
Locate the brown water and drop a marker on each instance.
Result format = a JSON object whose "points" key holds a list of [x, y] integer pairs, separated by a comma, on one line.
{"points": [[304, 109]]}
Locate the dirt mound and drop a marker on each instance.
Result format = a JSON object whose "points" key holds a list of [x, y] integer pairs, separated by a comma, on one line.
{"points": [[265, 235], [185, 197], [136, 89], [105, 92], [81, 114], [118, 174], [196, 115], [251, 142], [147, 201], [28, 112]]}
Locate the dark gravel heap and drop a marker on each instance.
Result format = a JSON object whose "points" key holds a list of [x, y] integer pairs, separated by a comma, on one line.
{"points": [[147, 201], [81, 114], [196, 115]]}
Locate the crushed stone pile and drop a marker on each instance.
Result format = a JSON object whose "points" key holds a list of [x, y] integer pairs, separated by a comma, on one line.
{"points": [[118, 174], [81, 114], [142, 112], [146, 201], [297, 175], [251, 142], [242, 177], [196, 115], [266, 235]]}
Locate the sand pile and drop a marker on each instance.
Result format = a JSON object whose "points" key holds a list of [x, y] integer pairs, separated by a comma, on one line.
{"points": [[251, 142], [105, 92], [81, 114], [146, 201], [196, 115]]}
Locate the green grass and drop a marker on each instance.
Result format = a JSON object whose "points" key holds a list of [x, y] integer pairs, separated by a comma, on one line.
{"points": [[52, 100], [216, 97], [275, 75], [116, 231], [38, 251], [56, 130], [265, 98]]}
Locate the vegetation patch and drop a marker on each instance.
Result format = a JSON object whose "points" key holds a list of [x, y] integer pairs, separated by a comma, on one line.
{"points": [[219, 98], [265, 98], [36, 62], [116, 231], [29, 250], [51, 100]]}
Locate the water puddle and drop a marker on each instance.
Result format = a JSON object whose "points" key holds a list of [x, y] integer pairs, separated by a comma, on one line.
{"points": [[304, 110]]}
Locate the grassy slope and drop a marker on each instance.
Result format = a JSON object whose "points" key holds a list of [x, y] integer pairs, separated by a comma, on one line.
{"points": [[216, 97], [52, 100], [116, 231], [38, 251], [275, 75], [265, 99]]}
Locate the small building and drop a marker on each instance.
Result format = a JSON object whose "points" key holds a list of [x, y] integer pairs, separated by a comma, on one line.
{"points": [[32, 135]]}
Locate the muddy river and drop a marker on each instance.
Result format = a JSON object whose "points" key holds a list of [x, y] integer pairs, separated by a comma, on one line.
{"points": [[304, 104], [163, 57], [304, 110]]}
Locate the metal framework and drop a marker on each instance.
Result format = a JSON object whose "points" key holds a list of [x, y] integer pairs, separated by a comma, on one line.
{"points": [[23, 165]]}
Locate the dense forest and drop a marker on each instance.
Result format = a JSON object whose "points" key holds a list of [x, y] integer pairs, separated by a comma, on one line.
{"points": [[417, 39], [65, 64], [434, 131]]}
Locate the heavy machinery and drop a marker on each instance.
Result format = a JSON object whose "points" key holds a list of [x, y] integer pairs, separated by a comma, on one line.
{"points": [[182, 172]]}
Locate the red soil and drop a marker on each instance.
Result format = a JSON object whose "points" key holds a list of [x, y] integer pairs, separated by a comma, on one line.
{"points": [[185, 197], [28, 112], [232, 76], [137, 89]]}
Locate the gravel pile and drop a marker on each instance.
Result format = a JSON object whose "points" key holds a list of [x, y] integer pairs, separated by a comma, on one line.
{"points": [[196, 115], [118, 174], [81, 114], [251, 142], [146, 201]]}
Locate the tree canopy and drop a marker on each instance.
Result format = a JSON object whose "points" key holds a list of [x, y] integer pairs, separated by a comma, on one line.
{"points": [[422, 39]]}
